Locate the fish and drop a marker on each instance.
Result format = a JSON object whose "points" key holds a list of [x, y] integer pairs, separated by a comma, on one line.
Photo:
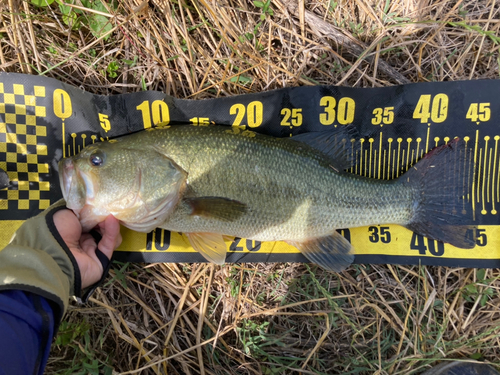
{"points": [[214, 182]]}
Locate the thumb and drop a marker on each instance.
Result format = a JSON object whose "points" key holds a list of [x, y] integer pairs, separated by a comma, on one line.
{"points": [[111, 237]]}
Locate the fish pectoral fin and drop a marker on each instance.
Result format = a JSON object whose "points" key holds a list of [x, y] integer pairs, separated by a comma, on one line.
{"points": [[210, 245], [333, 252], [216, 207]]}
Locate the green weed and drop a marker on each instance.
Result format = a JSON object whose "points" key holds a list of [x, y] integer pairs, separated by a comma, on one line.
{"points": [[260, 342], [42, 3], [119, 274], [131, 63], [491, 34], [76, 337], [98, 24], [390, 17], [474, 291], [112, 69], [332, 5], [357, 29], [265, 7]]}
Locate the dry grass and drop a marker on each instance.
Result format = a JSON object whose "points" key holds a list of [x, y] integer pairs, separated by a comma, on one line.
{"points": [[267, 318]]}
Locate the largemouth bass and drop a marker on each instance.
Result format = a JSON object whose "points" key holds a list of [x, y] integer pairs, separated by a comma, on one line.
{"points": [[211, 182]]}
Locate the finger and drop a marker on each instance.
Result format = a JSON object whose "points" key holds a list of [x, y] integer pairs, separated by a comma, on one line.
{"points": [[87, 243], [68, 226], [111, 237]]}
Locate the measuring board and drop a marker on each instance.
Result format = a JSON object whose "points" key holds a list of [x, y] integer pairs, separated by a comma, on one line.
{"points": [[43, 120]]}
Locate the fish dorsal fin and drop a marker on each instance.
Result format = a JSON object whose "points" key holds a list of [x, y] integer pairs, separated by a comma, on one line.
{"points": [[335, 143], [216, 207], [333, 252], [210, 245]]}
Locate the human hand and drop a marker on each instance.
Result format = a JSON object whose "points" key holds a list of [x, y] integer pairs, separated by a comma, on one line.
{"points": [[83, 245]]}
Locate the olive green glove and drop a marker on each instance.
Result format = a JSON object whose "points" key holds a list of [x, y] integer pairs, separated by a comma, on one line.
{"points": [[37, 260]]}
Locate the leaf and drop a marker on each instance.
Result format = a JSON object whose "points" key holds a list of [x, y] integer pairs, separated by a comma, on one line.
{"points": [[71, 19], [256, 28], [41, 3], [258, 4], [484, 299], [438, 303], [100, 25], [65, 9], [64, 338], [471, 289], [333, 5], [489, 291], [481, 273], [112, 68], [476, 356], [241, 79], [131, 63]]}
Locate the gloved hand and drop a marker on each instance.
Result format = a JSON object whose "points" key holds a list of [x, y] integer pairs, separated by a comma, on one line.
{"points": [[83, 245], [50, 256]]}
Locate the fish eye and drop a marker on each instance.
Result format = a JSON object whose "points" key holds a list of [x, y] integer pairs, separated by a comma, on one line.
{"points": [[96, 159]]}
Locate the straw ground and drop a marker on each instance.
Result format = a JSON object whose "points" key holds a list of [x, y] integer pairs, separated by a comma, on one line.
{"points": [[265, 318]]}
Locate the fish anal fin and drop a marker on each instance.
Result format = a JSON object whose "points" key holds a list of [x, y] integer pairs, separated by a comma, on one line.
{"points": [[216, 207], [210, 245], [332, 253]]}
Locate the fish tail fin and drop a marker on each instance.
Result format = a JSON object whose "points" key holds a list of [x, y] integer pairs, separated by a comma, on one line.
{"points": [[442, 180]]}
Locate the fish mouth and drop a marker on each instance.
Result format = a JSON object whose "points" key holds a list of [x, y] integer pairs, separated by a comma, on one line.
{"points": [[71, 185]]}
